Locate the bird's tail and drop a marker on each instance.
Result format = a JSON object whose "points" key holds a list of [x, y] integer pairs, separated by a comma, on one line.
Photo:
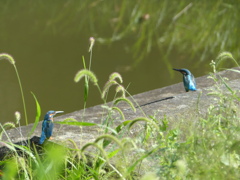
{"points": [[42, 138]]}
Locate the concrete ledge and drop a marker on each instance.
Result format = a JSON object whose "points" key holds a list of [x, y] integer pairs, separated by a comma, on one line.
{"points": [[152, 102]]}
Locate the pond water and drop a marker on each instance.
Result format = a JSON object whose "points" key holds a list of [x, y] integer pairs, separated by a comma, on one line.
{"points": [[48, 59]]}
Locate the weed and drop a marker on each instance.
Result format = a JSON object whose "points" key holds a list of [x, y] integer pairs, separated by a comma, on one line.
{"points": [[4, 56], [194, 147]]}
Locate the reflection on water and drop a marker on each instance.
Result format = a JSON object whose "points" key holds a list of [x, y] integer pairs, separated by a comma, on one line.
{"points": [[48, 42], [48, 65], [48, 69]]}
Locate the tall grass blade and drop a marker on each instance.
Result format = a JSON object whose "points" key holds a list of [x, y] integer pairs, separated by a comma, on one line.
{"points": [[120, 127], [12, 61], [234, 70], [122, 99], [5, 56], [107, 86], [119, 111], [37, 117], [227, 86], [24, 149], [120, 88], [144, 120], [108, 136], [96, 146], [86, 84], [230, 89], [86, 89], [23, 99], [75, 123], [6, 126], [115, 75], [133, 167], [84, 64], [224, 56]]}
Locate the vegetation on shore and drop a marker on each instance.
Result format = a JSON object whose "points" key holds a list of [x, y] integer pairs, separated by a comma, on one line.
{"points": [[193, 147]]}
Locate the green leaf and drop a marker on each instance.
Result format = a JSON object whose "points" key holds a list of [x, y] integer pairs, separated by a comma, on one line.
{"points": [[227, 86], [234, 70], [113, 153], [70, 120], [37, 117], [75, 123]]}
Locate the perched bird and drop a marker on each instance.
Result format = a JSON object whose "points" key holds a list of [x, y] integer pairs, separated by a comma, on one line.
{"points": [[47, 125], [188, 80]]}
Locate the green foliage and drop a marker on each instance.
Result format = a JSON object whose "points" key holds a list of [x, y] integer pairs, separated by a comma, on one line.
{"points": [[10, 170], [193, 147]]}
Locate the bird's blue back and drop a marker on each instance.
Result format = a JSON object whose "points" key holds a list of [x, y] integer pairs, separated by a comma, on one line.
{"points": [[189, 82]]}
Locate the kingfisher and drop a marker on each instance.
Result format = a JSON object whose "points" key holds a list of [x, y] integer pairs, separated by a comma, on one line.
{"points": [[47, 125], [188, 79]]}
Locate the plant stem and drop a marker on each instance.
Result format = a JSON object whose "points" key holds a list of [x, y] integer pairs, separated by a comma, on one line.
{"points": [[23, 99]]}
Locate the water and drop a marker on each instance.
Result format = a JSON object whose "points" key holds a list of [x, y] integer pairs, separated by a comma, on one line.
{"points": [[48, 58], [48, 65]]}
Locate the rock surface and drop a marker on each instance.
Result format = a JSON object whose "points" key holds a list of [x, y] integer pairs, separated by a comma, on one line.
{"points": [[171, 101]]}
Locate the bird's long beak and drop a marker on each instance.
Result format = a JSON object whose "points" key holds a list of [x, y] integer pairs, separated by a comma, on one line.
{"points": [[179, 70], [57, 112], [176, 69]]}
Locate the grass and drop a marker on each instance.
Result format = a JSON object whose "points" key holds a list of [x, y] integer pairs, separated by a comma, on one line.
{"points": [[195, 146], [4, 56]]}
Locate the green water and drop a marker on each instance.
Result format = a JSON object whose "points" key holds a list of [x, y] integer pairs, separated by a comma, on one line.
{"points": [[48, 40]]}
